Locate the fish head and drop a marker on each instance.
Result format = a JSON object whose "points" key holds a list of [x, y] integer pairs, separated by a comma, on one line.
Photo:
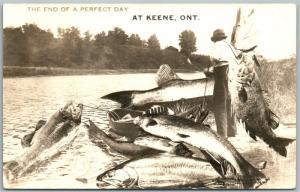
{"points": [[144, 121], [164, 126], [260, 181], [148, 123], [125, 177], [72, 111], [155, 120]]}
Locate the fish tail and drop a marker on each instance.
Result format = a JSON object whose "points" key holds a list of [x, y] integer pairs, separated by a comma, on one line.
{"points": [[254, 178], [279, 144], [11, 169], [251, 177], [122, 97]]}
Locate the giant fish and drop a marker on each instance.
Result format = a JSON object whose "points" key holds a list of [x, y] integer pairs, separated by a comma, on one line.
{"points": [[48, 141], [98, 137], [250, 106], [179, 129], [158, 172], [249, 102], [170, 91], [144, 145]]}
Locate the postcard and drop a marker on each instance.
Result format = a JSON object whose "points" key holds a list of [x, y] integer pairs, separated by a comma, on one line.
{"points": [[149, 96]]}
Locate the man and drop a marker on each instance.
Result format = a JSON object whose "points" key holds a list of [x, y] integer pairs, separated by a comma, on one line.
{"points": [[224, 59]]}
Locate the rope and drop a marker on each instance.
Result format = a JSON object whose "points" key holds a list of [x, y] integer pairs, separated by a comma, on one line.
{"points": [[204, 90], [204, 100], [234, 53], [97, 108]]}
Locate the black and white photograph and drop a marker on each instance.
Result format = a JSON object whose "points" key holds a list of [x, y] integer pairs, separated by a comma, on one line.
{"points": [[149, 96]]}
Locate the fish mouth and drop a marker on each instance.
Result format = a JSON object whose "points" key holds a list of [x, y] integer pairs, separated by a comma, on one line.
{"points": [[105, 182], [260, 181], [114, 183], [124, 178], [72, 111], [144, 121]]}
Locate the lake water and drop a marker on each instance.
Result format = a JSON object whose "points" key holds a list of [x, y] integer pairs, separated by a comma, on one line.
{"points": [[27, 100]]}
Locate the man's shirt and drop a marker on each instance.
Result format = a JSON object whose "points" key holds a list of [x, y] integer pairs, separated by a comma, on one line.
{"points": [[223, 54]]}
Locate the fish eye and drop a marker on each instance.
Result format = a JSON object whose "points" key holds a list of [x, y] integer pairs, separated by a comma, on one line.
{"points": [[111, 174], [151, 122]]}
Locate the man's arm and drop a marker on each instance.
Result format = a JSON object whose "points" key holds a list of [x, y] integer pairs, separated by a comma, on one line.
{"points": [[219, 54]]}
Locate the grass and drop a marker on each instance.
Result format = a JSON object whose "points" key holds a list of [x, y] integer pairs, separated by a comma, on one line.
{"points": [[279, 78], [17, 71]]}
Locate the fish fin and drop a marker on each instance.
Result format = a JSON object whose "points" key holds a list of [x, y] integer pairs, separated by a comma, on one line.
{"points": [[279, 144], [214, 161], [157, 110], [122, 97], [261, 165], [182, 135], [40, 124], [252, 135], [228, 170], [273, 119], [222, 166], [165, 74], [243, 96], [183, 150], [248, 130], [11, 169], [254, 178]]}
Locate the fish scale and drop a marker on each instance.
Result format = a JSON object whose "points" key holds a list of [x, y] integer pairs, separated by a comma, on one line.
{"points": [[171, 91], [219, 149], [250, 106], [165, 170]]}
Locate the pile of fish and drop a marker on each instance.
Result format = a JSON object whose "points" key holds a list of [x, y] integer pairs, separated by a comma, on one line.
{"points": [[180, 151], [166, 141], [187, 153]]}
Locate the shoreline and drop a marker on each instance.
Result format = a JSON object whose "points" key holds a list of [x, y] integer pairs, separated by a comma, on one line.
{"points": [[17, 71]]}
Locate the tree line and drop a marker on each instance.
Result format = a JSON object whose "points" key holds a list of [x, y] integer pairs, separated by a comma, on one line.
{"points": [[29, 45]]}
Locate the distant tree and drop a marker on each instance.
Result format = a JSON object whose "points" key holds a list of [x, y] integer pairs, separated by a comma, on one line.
{"points": [[86, 49], [99, 43], [200, 61], [60, 32], [153, 42], [14, 47], [135, 40], [174, 58], [30, 45], [87, 36], [171, 48], [117, 37], [71, 47], [187, 42], [100, 39], [153, 54], [37, 44]]}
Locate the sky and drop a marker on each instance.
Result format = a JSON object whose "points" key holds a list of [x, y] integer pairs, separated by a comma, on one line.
{"points": [[275, 23]]}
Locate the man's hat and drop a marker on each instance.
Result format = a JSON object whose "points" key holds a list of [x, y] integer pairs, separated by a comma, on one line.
{"points": [[218, 35]]}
